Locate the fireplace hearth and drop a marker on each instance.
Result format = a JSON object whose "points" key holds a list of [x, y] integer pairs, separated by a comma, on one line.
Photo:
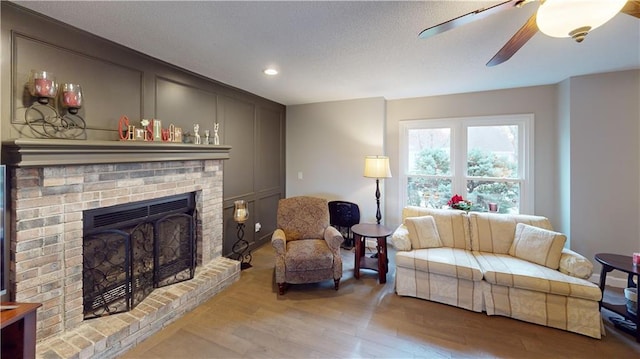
{"points": [[128, 250]]}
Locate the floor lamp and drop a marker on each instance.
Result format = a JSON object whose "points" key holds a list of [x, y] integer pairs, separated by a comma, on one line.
{"points": [[377, 167]]}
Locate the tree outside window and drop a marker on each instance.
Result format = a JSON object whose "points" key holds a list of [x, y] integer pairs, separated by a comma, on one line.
{"points": [[482, 160]]}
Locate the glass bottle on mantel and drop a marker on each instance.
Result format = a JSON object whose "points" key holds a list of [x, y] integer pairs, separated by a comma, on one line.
{"points": [[43, 86]]}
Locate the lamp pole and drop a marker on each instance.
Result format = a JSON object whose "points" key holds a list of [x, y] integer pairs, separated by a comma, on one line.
{"points": [[378, 214]]}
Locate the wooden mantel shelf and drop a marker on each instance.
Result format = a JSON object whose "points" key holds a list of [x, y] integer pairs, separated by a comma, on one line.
{"points": [[27, 152]]}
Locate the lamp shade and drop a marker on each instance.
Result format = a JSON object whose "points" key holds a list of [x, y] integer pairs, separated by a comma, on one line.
{"points": [[240, 211], [377, 167], [574, 18]]}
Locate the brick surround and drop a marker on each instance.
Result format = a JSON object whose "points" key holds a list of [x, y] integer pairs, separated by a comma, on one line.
{"points": [[46, 248]]}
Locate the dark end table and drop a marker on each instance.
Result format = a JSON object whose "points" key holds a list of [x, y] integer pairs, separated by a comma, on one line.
{"points": [[18, 321], [624, 264], [379, 262]]}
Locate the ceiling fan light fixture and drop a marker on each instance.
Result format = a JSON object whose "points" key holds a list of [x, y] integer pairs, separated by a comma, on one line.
{"points": [[270, 71], [580, 33], [575, 18]]}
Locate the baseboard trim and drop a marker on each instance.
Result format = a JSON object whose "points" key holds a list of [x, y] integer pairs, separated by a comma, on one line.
{"points": [[611, 281]]}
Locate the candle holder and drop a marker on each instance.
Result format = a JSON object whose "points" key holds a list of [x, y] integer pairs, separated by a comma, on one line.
{"points": [[43, 86], [71, 97], [240, 215], [43, 117]]}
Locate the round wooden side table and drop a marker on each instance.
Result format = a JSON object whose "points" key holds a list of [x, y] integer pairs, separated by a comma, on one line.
{"points": [[624, 264], [363, 231]]}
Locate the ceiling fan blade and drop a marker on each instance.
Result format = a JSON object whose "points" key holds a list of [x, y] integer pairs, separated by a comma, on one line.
{"points": [[467, 18], [632, 8], [514, 44]]}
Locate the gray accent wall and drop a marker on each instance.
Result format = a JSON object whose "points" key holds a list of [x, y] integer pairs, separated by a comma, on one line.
{"points": [[119, 81]]}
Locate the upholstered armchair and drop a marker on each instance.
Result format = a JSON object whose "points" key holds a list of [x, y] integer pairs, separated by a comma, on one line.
{"points": [[307, 247]]}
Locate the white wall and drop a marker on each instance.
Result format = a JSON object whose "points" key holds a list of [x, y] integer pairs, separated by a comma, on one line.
{"points": [[539, 100], [605, 169], [587, 134], [563, 137], [327, 143]]}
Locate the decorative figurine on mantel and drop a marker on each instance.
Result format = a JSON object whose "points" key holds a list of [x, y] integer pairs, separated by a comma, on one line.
{"points": [[178, 134], [145, 124], [216, 138], [196, 135], [206, 137]]}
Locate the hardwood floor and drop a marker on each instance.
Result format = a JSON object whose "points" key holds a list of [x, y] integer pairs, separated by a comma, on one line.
{"points": [[362, 319]]}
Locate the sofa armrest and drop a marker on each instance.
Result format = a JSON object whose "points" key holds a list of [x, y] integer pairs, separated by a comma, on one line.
{"points": [[575, 265], [400, 238], [279, 242]]}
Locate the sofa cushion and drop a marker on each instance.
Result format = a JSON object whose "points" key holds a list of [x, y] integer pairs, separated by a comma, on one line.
{"points": [[423, 232], [575, 264], [538, 245], [400, 238], [492, 232], [453, 226], [452, 262], [508, 271]]}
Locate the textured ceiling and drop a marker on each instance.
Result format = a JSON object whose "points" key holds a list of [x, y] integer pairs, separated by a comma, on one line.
{"points": [[328, 51]]}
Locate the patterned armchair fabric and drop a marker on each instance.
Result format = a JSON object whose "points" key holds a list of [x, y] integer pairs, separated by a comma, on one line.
{"points": [[307, 247]]}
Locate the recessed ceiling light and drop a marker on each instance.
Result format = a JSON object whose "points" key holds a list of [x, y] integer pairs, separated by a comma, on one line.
{"points": [[270, 72]]}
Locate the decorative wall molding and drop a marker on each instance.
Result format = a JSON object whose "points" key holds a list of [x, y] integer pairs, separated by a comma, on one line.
{"points": [[97, 76]]}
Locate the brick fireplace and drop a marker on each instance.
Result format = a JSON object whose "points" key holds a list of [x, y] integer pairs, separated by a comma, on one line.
{"points": [[53, 181]]}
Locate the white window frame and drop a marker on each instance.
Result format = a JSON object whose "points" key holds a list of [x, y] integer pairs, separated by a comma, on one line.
{"points": [[458, 150]]}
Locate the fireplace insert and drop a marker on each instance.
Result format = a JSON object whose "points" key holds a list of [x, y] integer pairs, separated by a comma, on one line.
{"points": [[130, 249]]}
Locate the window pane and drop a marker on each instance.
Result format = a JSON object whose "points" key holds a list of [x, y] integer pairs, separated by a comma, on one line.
{"points": [[492, 151], [429, 151], [505, 194], [428, 192]]}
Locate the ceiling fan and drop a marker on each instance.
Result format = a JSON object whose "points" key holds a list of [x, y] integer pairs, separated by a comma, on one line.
{"points": [[556, 18]]}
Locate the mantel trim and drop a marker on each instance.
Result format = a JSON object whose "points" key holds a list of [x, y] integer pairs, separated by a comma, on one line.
{"points": [[27, 152]]}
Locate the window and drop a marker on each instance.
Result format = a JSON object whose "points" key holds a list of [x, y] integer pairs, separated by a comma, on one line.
{"points": [[483, 159]]}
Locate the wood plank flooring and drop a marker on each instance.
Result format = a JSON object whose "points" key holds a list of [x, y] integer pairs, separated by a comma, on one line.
{"points": [[361, 320]]}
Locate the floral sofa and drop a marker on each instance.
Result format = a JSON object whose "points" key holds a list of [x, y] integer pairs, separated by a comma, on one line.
{"points": [[508, 265]]}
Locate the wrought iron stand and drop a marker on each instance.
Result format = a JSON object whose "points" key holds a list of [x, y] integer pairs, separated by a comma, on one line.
{"points": [[240, 247]]}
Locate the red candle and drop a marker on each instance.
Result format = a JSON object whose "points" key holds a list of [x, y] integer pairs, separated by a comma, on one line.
{"points": [[43, 87], [71, 97]]}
